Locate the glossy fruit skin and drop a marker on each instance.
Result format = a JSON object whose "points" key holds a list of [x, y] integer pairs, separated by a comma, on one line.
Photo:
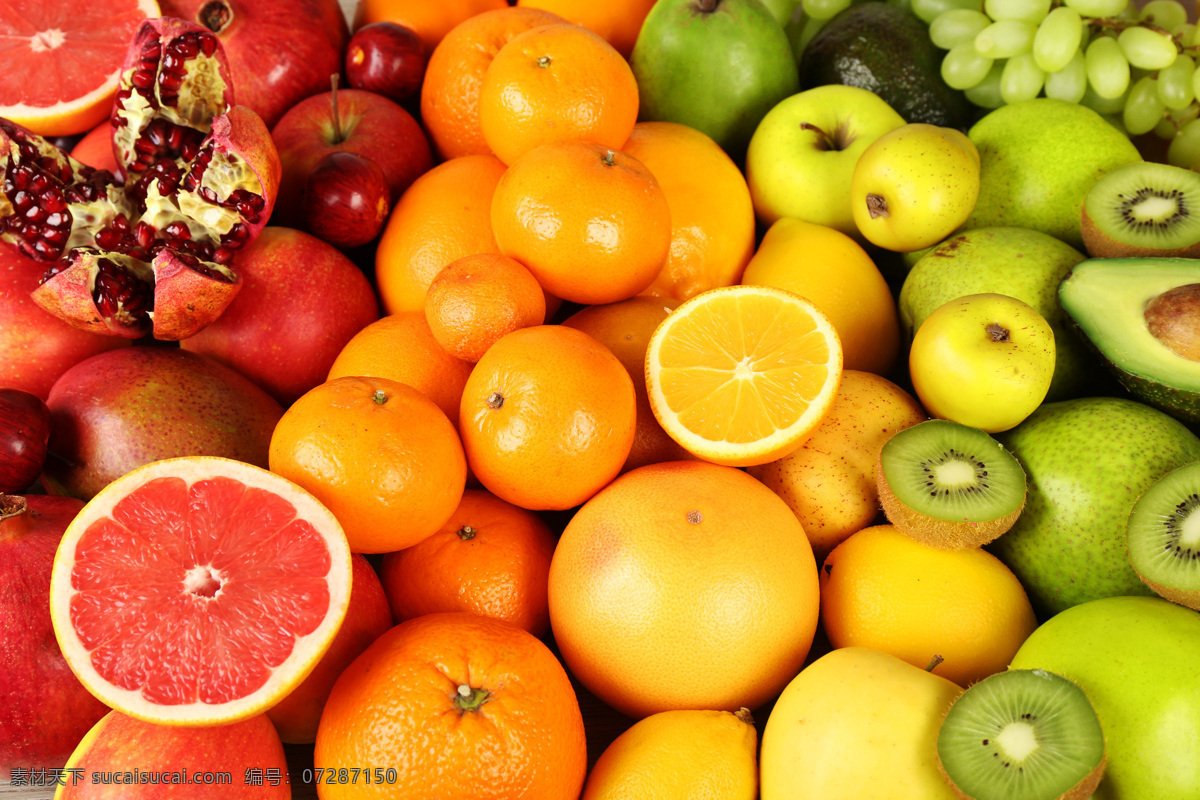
{"points": [[984, 360], [44, 709], [387, 59], [346, 200], [24, 434]]}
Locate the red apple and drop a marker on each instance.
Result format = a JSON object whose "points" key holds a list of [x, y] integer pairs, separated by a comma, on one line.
{"points": [[24, 433], [301, 301], [388, 59], [280, 51], [368, 124], [36, 346], [346, 200], [96, 149]]}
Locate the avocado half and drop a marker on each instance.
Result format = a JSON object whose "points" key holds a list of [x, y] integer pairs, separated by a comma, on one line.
{"points": [[1106, 298]]}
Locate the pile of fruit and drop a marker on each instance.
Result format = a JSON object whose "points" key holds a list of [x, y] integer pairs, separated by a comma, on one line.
{"points": [[638, 399]]}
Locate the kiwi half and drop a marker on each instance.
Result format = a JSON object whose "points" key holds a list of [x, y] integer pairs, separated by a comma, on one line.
{"points": [[1143, 209], [1163, 536], [1022, 735], [949, 485]]}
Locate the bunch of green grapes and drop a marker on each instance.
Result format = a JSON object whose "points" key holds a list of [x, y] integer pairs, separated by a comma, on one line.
{"points": [[1135, 66]]}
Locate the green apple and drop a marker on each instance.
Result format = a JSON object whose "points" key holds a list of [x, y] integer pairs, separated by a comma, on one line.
{"points": [[1087, 461], [914, 186], [1038, 160], [803, 154], [1138, 661], [983, 360], [715, 65], [856, 723]]}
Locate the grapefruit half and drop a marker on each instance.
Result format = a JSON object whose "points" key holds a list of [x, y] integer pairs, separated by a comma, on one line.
{"points": [[199, 590], [62, 60]]}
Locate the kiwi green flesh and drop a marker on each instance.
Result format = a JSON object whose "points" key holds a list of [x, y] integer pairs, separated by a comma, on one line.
{"points": [[1163, 536], [1022, 735], [1143, 209], [952, 472]]}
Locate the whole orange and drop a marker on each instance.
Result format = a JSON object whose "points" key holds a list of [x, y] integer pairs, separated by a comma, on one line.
{"points": [[400, 347], [477, 299], [885, 590], [458, 705], [712, 217], [446, 214], [556, 83], [683, 585], [625, 329], [617, 21], [429, 20], [450, 91], [378, 454], [490, 558], [547, 417], [591, 223]]}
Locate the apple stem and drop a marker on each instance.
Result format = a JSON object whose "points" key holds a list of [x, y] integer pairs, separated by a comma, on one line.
{"points": [[997, 332], [877, 206], [338, 138], [707, 6], [830, 144], [933, 662]]}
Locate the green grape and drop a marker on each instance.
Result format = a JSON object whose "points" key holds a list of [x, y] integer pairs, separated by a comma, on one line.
{"points": [[1031, 11], [1196, 81], [1098, 8], [1104, 105], [1166, 14], [1022, 79], [963, 67], [1183, 33], [928, 10], [1147, 49], [1107, 67], [801, 35], [1058, 38], [1175, 87], [1143, 107], [1070, 82], [824, 9], [1005, 39], [986, 93], [1184, 150], [957, 26], [1166, 128]]}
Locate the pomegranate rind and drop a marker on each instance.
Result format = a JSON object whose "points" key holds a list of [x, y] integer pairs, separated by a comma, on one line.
{"points": [[69, 295], [242, 132], [186, 300], [307, 650]]}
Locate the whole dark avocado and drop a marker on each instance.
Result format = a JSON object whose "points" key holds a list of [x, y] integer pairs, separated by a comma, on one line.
{"points": [[886, 49]]}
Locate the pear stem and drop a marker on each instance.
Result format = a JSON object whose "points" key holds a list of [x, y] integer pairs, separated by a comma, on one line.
{"points": [[933, 662], [707, 6]]}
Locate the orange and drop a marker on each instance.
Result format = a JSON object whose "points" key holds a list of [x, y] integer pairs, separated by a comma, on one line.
{"points": [[450, 90], [683, 585], [547, 417], [477, 299], [556, 83], [490, 558], [617, 21], [401, 348], [458, 705], [742, 375], [429, 19], [885, 590], [367, 618], [836, 275], [591, 223], [446, 214], [712, 217], [379, 454], [198, 591], [625, 329]]}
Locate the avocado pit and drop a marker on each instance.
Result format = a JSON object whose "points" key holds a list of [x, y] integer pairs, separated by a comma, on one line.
{"points": [[1173, 318]]}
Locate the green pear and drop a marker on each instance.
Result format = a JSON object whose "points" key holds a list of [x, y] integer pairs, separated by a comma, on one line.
{"points": [[716, 65], [1138, 661], [1038, 159], [1018, 262], [856, 723], [1087, 461]]}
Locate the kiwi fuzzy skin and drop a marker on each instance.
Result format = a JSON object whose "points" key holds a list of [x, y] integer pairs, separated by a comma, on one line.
{"points": [[1080, 791], [1100, 245], [940, 533], [1183, 597]]}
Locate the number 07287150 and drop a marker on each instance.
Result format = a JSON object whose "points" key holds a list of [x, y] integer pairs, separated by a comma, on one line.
{"points": [[350, 775]]}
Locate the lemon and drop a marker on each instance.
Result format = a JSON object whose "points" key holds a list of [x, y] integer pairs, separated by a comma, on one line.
{"points": [[680, 754]]}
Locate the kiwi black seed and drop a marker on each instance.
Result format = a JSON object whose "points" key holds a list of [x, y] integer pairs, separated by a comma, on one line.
{"points": [[949, 485], [1143, 209], [1163, 536], [1022, 735]]}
